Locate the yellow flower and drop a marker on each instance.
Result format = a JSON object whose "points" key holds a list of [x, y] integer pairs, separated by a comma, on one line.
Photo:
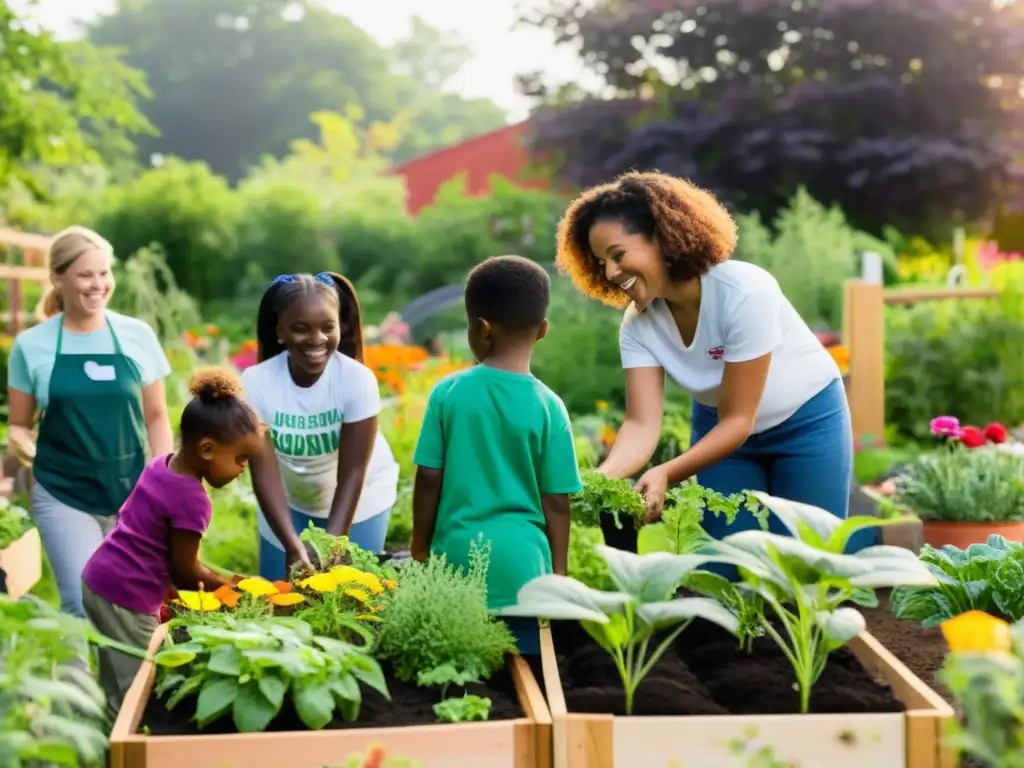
{"points": [[357, 594], [602, 405], [346, 574], [257, 586], [321, 582], [390, 583], [977, 632], [199, 601], [286, 598]]}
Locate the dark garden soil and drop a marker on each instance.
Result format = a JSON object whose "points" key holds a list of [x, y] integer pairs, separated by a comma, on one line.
{"points": [[409, 705], [706, 673]]}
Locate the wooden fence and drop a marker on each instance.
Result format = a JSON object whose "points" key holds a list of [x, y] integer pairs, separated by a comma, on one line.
{"points": [[864, 305], [34, 269]]}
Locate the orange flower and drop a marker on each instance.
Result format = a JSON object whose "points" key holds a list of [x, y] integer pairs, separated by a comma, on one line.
{"points": [[376, 754], [283, 587], [977, 632], [212, 330], [227, 595], [607, 435]]}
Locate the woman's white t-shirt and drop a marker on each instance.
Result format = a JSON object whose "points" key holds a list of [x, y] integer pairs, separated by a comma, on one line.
{"points": [[306, 425], [743, 316]]}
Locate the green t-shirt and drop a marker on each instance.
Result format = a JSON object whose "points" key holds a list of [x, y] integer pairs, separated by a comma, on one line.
{"points": [[502, 440]]}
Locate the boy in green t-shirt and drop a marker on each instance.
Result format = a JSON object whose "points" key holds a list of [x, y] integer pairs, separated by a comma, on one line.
{"points": [[496, 459]]}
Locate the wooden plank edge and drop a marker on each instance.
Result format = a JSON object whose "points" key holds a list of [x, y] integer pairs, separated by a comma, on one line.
{"points": [[134, 705], [549, 665], [536, 708], [879, 658]]}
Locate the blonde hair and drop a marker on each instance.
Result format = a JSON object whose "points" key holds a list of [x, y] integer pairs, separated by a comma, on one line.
{"points": [[65, 249]]}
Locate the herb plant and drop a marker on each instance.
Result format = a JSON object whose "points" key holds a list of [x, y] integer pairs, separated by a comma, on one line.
{"points": [[247, 668], [584, 564], [625, 622], [464, 709], [436, 628], [957, 484], [329, 551], [14, 522], [685, 507], [807, 580], [603, 494], [986, 577]]}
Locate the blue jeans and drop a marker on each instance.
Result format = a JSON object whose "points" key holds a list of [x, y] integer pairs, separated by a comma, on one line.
{"points": [[70, 537], [526, 632], [369, 534]]}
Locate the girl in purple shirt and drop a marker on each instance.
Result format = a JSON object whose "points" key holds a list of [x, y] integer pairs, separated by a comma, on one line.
{"points": [[155, 543]]}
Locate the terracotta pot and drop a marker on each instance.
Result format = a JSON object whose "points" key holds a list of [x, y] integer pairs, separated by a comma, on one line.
{"points": [[962, 535]]}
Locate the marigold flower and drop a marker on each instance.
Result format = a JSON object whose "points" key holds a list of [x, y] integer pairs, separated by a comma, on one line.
{"points": [[358, 594], [199, 601], [977, 632], [257, 586], [321, 582], [227, 595], [285, 598]]}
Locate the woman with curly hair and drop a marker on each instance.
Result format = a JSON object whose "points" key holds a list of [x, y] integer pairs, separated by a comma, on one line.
{"points": [[769, 409]]}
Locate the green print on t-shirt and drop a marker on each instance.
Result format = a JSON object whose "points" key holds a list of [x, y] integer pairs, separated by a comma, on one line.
{"points": [[318, 443]]}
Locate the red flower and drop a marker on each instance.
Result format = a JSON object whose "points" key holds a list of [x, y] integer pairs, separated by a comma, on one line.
{"points": [[972, 437], [995, 432]]}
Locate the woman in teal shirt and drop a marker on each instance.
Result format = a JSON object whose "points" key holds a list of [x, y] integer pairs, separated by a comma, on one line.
{"points": [[98, 378]]}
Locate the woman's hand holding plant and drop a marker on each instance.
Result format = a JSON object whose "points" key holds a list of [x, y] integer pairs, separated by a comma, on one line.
{"points": [[653, 485]]}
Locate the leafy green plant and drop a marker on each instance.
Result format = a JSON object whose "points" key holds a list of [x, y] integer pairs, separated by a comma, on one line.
{"points": [[464, 709], [602, 494], [625, 622], [985, 577], [331, 551], [584, 564], [52, 711], [807, 580], [686, 505], [958, 484], [14, 522], [247, 668], [743, 603], [436, 628]]}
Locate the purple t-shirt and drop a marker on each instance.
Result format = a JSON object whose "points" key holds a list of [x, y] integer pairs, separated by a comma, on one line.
{"points": [[132, 567]]}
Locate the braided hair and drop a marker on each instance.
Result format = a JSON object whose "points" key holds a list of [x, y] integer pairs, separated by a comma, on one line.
{"points": [[286, 289]]}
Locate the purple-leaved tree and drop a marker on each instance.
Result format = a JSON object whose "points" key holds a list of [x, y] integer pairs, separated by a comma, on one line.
{"points": [[905, 112]]}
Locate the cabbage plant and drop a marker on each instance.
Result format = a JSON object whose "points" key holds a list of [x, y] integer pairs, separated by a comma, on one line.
{"points": [[624, 621], [808, 581]]}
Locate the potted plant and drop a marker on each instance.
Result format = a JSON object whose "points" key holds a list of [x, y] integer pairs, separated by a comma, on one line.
{"points": [[776, 667], [964, 491], [21, 556]]}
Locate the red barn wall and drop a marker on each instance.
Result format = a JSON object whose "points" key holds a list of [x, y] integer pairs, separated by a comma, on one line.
{"points": [[502, 151]]}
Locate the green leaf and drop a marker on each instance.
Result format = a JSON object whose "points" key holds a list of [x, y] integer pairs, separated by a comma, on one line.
{"points": [[273, 689], [559, 597], [369, 673], [177, 655], [314, 704], [650, 577], [190, 686], [841, 535], [792, 513], [226, 660], [215, 698], [252, 711], [670, 612], [52, 751]]}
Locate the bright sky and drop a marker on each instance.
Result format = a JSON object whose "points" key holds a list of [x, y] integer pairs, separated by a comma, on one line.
{"points": [[485, 25]]}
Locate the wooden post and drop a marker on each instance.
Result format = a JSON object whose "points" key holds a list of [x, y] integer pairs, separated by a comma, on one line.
{"points": [[864, 334]]}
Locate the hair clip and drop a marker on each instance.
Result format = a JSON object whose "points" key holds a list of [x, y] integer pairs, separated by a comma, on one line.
{"points": [[326, 279], [282, 279]]}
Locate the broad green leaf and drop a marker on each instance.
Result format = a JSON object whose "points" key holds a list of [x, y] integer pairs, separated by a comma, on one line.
{"points": [[89, 741], [252, 712], [314, 704], [190, 686], [894, 575], [372, 676], [67, 694], [215, 698], [559, 597], [650, 577], [792, 513], [273, 689], [177, 655], [822, 561], [226, 660], [345, 689], [841, 535], [52, 751], [841, 625], [669, 612], [616, 630]]}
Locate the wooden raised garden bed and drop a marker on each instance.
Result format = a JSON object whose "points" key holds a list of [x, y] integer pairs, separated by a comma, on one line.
{"points": [[722, 731], [21, 564], [522, 742]]}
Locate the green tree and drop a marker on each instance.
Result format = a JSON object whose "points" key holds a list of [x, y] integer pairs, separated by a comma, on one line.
{"points": [[61, 104], [235, 79]]}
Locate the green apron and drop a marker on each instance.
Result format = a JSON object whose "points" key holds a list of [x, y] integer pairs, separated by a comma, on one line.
{"points": [[92, 438]]}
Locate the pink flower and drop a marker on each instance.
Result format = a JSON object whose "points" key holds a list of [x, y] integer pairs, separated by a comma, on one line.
{"points": [[946, 426], [972, 437], [995, 432]]}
